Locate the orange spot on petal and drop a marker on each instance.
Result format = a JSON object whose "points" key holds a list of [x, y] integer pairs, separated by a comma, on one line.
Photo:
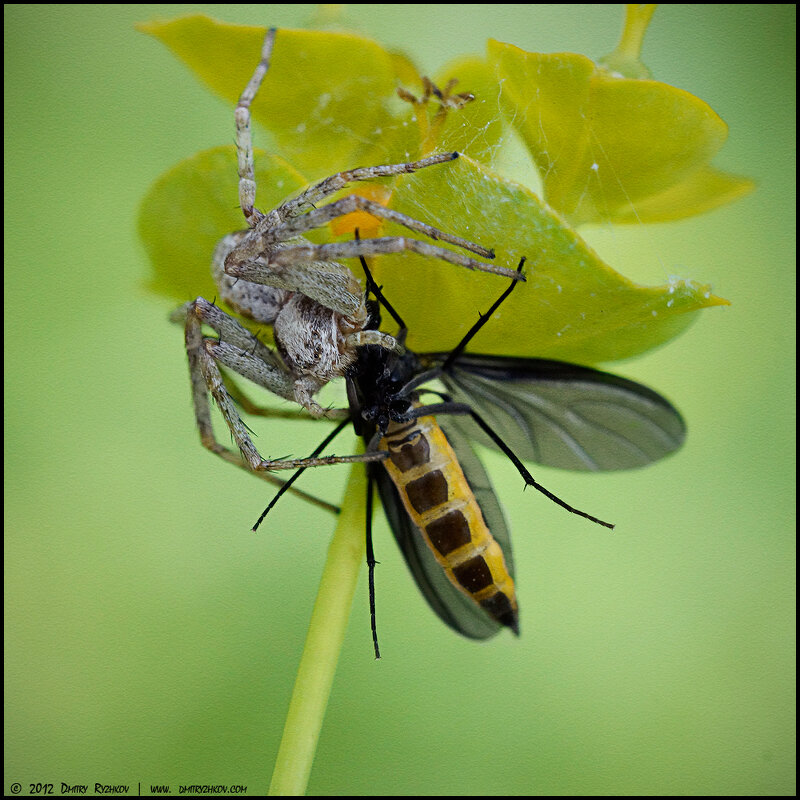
{"points": [[368, 226]]}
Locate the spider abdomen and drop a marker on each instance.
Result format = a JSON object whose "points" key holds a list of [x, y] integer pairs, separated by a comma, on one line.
{"points": [[309, 339]]}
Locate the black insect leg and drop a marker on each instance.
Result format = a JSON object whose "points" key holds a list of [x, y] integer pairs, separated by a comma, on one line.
{"points": [[482, 320], [322, 445], [371, 562], [466, 410], [445, 366], [376, 290]]}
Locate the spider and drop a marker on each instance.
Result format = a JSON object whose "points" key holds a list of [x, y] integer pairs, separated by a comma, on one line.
{"points": [[316, 306]]}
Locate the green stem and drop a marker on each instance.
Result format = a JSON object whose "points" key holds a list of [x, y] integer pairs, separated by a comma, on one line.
{"points": [[626, 58], [637, 18], [323, 643]]}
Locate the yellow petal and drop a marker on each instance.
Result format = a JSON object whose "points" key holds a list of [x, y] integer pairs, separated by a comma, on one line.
{"points": [[477, 129], [605, 144], [705, 190], [192, 206], [324, 94], [573, 307]]}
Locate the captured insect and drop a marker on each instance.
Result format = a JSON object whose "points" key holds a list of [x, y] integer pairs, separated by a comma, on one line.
{"points": [[436, 495]]}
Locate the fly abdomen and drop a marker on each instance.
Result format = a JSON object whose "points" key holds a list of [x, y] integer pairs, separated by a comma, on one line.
{"points": [[437, 497]]}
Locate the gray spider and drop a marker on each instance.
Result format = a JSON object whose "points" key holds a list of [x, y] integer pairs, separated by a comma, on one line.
{"points": [[316, 306]]}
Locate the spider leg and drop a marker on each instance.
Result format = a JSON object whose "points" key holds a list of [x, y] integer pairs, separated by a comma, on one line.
{"points": [[243, 353], [264, 256], [244, 139], [311, 197], [329, 283], [206, 378], [254, 409], [231, 331], [318, 217]]}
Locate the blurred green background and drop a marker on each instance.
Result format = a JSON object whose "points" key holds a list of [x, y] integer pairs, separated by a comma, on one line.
{"points": [[150, 638]]}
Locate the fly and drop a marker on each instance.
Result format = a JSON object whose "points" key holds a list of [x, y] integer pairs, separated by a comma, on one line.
{"points": [[437, 497]]}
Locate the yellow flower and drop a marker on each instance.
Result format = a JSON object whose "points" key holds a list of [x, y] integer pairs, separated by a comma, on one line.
{"points": [[330, 102], [611, 144]]}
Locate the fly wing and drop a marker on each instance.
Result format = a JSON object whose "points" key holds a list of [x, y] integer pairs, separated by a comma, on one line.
{"points": [[452, 606], [564, 415]]}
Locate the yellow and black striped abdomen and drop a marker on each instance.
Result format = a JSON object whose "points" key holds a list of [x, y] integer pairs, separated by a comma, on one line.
{"points": [[437, 497]]}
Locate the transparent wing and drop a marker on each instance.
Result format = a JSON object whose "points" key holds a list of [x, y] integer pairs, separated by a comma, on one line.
{"points": [[451, 605], [563, 415]]}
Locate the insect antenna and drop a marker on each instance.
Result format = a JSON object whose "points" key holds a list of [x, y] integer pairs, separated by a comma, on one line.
{"points": [[373, 287], [482, 320], [286, 486], [447, 364]]}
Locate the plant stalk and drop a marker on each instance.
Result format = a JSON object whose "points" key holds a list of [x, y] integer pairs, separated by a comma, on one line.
{"points": [[323, 643]]}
